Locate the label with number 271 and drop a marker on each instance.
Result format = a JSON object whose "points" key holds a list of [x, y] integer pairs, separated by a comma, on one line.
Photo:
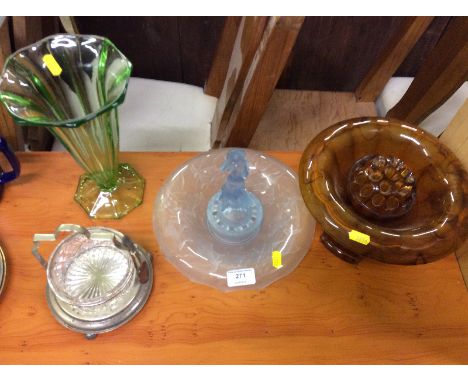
{"points": [[239, 277]]}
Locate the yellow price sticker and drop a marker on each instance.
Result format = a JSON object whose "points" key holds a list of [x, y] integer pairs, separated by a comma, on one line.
{"points": [[276, 259], [359, 237], [52, 64]]}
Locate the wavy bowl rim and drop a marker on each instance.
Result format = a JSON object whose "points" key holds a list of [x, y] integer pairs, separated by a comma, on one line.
{"points": [[76, 122]]}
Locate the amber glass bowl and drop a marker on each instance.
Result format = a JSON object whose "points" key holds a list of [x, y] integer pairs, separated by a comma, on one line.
{"points": [[432, 226]]}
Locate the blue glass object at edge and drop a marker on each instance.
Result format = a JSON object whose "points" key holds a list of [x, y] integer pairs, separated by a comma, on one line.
{"points": [[6, 177]]}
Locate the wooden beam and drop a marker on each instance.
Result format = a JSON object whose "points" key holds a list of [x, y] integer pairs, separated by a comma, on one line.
{"points": [[271, 56], [219, 67], [8, 128], [69, 24], [399, 46], [248, 39], [444, 71], [455, 136]]}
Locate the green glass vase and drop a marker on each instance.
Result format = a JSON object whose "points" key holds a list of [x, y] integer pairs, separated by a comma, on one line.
{"points": [[72, 85]]}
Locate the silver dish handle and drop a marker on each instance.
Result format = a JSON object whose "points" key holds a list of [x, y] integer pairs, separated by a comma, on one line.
{"points": [[122, 242], [38, 237]]}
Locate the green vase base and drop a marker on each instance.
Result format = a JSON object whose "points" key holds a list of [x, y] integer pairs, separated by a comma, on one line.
{"points": [[114, 204]]}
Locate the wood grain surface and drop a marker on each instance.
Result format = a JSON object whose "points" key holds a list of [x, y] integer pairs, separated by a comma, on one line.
{"points": [[326, 311], [332, 53], [168, 48], [294, 117]]}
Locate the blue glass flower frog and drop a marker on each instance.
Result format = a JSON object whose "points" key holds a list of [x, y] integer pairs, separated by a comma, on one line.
{"points": [[234, 215]]}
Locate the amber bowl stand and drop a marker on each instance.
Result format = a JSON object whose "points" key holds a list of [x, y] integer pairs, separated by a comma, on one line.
{"points": [[432, 226]]}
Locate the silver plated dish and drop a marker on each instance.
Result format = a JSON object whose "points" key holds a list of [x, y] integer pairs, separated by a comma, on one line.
{"points": [[97, 278], [65, 316], [2, 270]]}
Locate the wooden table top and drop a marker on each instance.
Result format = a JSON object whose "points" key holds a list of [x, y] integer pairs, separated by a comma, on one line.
{"points": [[326, 311]]}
